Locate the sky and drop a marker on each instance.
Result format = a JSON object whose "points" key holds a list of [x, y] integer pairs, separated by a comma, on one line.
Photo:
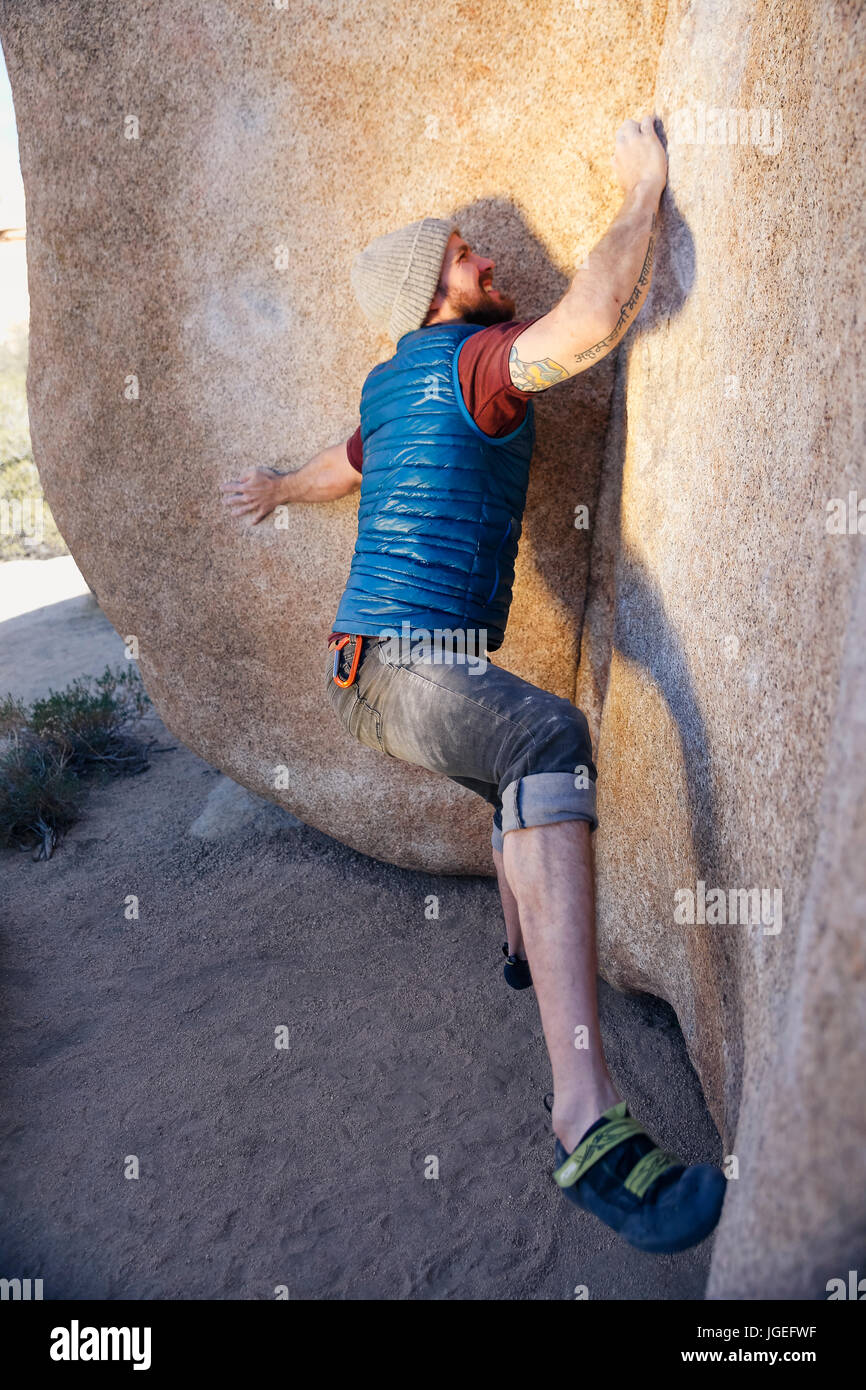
{"points": [[11, 187]]}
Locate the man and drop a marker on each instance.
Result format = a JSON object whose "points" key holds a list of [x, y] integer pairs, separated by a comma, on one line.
{"points": [[442, 456]]}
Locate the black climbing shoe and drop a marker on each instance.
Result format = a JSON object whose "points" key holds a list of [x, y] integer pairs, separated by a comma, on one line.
{"points": [[647, 1196], [515, 970]]}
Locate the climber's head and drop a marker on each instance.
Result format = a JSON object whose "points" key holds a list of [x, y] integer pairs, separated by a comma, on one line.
{"points": [[465, 288], [423, 274]]}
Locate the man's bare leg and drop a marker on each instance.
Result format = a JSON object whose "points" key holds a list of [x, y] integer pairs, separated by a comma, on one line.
{"points": [[509, 910], [550, 872]]}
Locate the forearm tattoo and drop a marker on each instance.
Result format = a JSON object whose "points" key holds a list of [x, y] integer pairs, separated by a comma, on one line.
{"points": [[537, 376], [628, 306]]}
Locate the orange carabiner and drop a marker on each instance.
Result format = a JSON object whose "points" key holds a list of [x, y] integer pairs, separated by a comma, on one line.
{"points": [[353, 670]]}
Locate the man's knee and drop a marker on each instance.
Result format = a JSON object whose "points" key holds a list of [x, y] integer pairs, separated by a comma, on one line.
{"points": [[561, 740], [555, 780]]}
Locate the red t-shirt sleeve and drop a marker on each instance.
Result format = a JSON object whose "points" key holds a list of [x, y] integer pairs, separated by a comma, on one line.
{"points": [[496, 405], [355, 450]]}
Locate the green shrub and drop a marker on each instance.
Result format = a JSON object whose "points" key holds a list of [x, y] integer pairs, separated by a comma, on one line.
{"points": [[39, 797], [52, 746], [85, 722]]}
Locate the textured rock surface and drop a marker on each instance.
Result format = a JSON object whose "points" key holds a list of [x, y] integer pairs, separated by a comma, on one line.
{"points": [[311, 129], [719, 657], [231, 813], [722, 656]]}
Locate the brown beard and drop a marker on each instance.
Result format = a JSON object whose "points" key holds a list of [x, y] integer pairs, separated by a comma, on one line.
{"points": [[482, 309]]}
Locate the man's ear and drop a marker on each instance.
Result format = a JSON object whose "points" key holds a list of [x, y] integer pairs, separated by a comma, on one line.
{"points": [[435, 303]]}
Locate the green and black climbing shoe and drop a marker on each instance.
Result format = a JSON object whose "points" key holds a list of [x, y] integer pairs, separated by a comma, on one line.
{"points": [[515, 970], [651, 1198]]}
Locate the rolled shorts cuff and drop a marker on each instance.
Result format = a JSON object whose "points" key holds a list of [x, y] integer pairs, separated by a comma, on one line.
{"points": [[543, 798]]}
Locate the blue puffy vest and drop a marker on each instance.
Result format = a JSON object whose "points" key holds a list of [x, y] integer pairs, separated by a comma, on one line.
{"points": [[441, 503]]}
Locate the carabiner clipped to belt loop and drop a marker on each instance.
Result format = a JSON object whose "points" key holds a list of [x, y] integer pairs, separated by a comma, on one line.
{"points": [[353, 669]]}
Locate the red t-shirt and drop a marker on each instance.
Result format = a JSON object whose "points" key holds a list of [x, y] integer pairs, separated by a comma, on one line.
{"points": [[496, 405]]}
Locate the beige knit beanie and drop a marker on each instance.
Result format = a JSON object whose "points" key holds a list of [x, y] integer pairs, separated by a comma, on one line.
{"points": [[395, 277]]}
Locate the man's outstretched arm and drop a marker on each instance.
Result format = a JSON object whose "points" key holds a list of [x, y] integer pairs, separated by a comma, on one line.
{"points": [[610, 287], [258, 491]]}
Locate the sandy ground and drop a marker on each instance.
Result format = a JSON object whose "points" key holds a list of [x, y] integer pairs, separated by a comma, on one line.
{"points": [[301, 1166]]}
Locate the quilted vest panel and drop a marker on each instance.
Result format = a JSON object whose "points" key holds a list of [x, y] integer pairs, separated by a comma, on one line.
{"points": [[441, 503]]}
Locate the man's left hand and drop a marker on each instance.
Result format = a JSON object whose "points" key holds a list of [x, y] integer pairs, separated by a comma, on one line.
{"points": [[255, 494]]}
